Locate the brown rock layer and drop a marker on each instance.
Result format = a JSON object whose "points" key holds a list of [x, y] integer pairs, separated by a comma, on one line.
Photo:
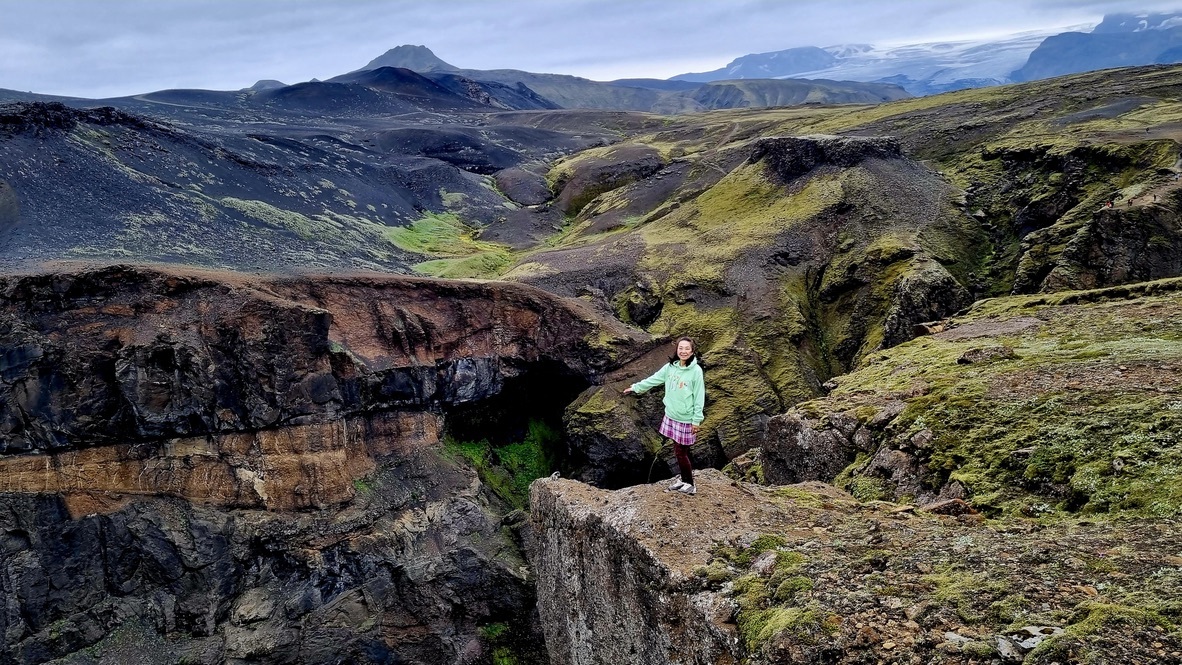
{"points": [[290, 468], [152, 349], [215, 468]]}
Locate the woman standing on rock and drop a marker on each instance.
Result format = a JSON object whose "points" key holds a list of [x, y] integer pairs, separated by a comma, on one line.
{"points": [[685, 397]]}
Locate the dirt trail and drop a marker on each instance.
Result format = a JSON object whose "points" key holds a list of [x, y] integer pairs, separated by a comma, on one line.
{"points": [[1156, 195]]}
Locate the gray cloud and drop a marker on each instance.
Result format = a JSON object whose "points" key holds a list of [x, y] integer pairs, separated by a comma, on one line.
{"points": [[104, 48]]}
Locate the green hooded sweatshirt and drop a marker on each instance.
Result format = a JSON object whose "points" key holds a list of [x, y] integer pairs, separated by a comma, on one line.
{"points": [[685, 391]]}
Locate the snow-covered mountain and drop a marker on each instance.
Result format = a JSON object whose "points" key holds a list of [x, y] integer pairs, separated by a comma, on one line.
{"points": [[921, 69], [1121, 40], [929, 68]]}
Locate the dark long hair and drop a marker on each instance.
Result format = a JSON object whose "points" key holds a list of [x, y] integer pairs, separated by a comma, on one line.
{"points": [[674, 360]]}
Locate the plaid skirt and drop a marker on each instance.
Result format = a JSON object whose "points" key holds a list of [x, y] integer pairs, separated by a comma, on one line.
{"points": [[680, 432]]}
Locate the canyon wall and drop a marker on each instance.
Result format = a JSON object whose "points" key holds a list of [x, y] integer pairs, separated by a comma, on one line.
{"points": [[219, 468]]}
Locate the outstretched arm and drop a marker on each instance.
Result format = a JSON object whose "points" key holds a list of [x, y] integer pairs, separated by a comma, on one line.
{"points": [[658, 378]]}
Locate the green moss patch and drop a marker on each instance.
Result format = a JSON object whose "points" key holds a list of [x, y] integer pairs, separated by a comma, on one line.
{"points": [[1084, 415], [508, 470]]}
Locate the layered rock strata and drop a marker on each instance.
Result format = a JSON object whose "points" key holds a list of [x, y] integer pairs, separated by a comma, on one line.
{"points": [[216, 468]]}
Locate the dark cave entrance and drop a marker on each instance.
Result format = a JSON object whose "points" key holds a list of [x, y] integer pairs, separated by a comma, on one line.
{"points": [[517, 435]]}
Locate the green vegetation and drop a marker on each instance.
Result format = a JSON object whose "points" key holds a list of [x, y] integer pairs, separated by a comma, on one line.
{"points": [[482, 265], [1089, 619], [458, 253], [744, 210], [510, 643], [963, 590], [768, 606], [761, 619], [509, 469], [1083, 415], [301, 225]]}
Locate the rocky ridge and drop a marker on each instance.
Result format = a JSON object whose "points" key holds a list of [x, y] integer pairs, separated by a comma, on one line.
{"points": [[1000, 406]]}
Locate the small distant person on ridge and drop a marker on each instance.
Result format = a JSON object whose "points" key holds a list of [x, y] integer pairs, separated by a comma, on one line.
{"points": [[685, 397]]}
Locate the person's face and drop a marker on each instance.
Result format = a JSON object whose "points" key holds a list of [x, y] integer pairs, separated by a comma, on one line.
{"points": [[684, 350]]}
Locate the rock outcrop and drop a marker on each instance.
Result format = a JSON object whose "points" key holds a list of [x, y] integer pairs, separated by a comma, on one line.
{"points": [[234, 469], [995, 407], [607, 593], [410, 571], [789, 259], [792, 156], [804, 574]]}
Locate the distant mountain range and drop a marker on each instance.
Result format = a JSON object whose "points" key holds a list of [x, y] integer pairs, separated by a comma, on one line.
{"points": [[656, 95], [412, 78], [1120, 40]]}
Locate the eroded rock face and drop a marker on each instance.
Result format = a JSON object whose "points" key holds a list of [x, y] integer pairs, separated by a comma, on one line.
{"points": [[792, 156], [406, 574], [1122, 245], [963, 413], [590, 177], [250, 374], [857, 244], [288, 468], [797, 449], [228, 469], [607, 593]]}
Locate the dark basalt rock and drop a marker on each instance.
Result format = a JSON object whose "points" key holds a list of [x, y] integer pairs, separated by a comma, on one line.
{"points": [[233, 469], [617, 167], [38, 117], [151, 354], [796, 450], [187, 583], [789, 157], [523, 187]]}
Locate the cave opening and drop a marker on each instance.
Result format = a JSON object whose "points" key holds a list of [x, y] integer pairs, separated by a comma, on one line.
{"points": [[517, 435]]}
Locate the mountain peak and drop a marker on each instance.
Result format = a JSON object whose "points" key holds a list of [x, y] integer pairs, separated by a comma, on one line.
{"points": [[416, 58], [768, 65], [267, 84]]}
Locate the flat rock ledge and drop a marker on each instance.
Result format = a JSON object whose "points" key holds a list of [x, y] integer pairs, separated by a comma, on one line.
{"points": [[804, 573]]}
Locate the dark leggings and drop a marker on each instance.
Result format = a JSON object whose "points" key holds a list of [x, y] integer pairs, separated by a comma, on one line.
{"points": [[683, 461]]}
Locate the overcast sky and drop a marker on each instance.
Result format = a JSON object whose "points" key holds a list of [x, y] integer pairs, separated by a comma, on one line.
{"points": [[104, 48]]}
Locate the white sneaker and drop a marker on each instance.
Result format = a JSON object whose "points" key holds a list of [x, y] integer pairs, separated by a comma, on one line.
{"points": [[676, 486], [687, 489]]}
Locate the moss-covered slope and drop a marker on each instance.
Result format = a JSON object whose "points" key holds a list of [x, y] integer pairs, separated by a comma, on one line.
{"points": [[1024, 405], [788, 259], [792, 261]]}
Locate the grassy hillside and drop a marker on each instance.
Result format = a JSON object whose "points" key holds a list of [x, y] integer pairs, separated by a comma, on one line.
{"points": [[791, 279], [1024, 405]]}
